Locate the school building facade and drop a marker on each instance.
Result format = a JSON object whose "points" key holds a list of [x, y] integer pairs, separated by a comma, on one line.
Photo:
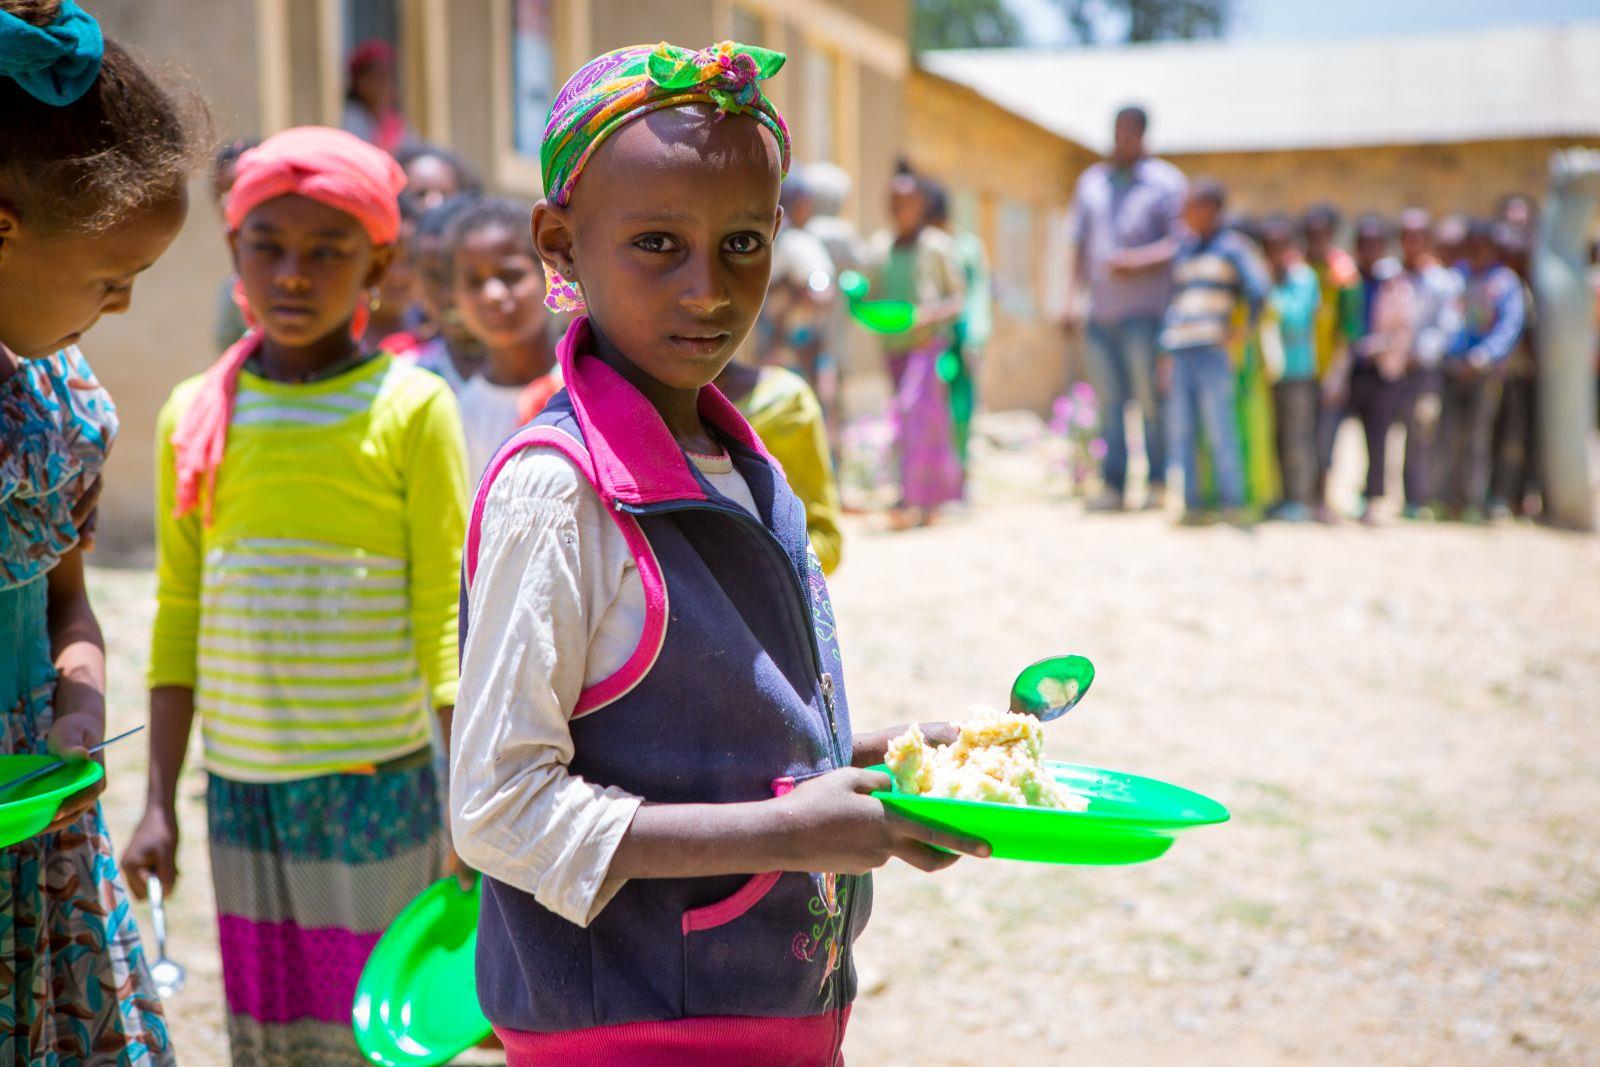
{"points": [[1449, 122], [477, 76]]}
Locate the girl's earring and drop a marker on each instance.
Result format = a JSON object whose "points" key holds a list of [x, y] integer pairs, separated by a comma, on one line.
{"points": [[560, 294], [363, 315]]}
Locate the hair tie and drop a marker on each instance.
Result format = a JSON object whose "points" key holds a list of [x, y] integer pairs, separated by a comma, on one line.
{"points": [[54, 64]]}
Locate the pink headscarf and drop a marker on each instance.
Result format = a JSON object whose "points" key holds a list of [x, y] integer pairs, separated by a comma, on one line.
{"points": [[331, 167]]}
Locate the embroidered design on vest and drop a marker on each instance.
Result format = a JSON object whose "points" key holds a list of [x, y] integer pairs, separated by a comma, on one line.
{"points": [[827, 933], [822, 607]]}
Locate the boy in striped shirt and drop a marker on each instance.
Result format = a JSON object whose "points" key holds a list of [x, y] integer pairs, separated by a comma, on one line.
{"points": [[1214, 270]]}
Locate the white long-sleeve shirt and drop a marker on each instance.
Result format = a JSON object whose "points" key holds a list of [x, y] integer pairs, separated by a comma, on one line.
{"points": [[556, 605]]}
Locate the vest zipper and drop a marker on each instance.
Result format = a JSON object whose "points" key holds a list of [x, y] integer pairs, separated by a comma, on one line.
{"points": [[824, 678], [826, 684]]}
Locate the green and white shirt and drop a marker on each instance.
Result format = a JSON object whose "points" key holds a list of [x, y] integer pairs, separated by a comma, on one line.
{"points": [[315, 618]]}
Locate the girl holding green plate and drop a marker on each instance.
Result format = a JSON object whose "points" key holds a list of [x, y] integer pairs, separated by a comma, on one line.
{"points": [[92, 180]]}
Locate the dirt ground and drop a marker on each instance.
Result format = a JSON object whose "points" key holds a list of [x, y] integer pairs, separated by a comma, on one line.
{"points": [[1405, 722]]}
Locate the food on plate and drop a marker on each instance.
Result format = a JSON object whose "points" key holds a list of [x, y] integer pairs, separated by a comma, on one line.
{"points": [[998, 757]]}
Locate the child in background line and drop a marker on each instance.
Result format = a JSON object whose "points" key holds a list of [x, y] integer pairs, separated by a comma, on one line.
{"points": [[310, 508], [792, 329], [643, 785], [1474, 370], [1252, 391], [1339, 310], [228, 324], [451, 352], [1287, 342], [372, 97], [93, 174], [1214, 271], [434, 175], [1379, 353], [787, 416], [916, 262], [393, 316], [1514, 484], [499, 291], [1437, 320], [962, 366]]}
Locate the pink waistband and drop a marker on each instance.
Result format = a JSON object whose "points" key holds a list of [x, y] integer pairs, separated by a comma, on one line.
{"points": [[712, 1041]]}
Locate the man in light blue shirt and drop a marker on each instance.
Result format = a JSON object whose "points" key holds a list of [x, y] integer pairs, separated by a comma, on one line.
{"points": [[1124, 224]]}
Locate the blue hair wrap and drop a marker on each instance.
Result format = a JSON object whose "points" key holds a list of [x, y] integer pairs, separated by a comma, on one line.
{"points": [[57, 63]]}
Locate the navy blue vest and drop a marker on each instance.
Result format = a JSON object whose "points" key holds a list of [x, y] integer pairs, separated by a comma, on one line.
{"points": [[744, 697]]}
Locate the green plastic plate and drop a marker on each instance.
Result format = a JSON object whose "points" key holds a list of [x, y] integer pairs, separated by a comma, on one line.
{"points": [[417, 1000], [27, 809], [885, 316], [1130, 819]]}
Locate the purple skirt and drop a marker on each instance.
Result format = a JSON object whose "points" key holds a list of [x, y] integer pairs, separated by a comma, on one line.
{"points": [[930, 471]]}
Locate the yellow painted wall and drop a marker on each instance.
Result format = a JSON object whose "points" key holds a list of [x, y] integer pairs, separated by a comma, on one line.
{"points": [[979, 150], [1469, 176]]}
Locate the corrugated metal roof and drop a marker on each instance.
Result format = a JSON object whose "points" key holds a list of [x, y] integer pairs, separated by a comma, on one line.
{"points": [[1525, 81]]}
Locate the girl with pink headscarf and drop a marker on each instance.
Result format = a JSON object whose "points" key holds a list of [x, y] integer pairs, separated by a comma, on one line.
{"points": [[310, 514]]}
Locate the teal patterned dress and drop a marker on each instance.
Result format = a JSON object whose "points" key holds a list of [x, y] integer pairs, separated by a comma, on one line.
{"points": [[74, 987]]}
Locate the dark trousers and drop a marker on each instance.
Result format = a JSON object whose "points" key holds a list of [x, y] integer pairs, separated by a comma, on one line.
{"points": [[1122, 363], [1375, 401], [1466, 432], [1295, 404], [1422, 406], [1516, 442]]}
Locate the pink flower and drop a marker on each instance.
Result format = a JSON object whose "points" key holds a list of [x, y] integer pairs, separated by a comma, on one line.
{"points": [[1083, 393], [1097, 448]]}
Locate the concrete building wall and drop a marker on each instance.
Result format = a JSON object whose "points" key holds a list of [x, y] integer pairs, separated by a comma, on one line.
{"points": [[167, 334], [1014, 181], [1468, 177]]}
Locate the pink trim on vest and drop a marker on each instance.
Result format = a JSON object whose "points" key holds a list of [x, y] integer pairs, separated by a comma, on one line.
{"points": [[636, 459], [627, 454], [706, 1041], [725, 911], [748, 895], [654, 636]]}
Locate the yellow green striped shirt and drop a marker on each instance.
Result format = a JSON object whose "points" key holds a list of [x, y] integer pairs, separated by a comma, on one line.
{"points": [[315, 618]]}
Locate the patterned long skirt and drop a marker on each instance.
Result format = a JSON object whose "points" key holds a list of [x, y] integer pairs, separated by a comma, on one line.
{"points": [[308, 876], [74, 985], [930, 471]]}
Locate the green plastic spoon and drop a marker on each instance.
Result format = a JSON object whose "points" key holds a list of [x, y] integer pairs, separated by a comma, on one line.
{"points": [[1052, 687]]}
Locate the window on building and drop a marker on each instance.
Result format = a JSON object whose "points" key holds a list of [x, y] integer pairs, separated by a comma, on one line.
{"points": [[371, 20], [750, 27], [821, 108], [533, 84], [1013, 258]]}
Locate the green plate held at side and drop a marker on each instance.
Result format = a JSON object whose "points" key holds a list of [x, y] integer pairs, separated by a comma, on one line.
{"points": [[885, 316], [25, 810], [1130, 819], [417, 1000]]}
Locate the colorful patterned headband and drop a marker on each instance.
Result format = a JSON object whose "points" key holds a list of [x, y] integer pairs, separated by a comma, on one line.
{"points": [[614, 89]]}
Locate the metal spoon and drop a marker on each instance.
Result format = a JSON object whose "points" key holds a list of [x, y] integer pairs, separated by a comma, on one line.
{"points": [[53, 767], [168, 975], [1052, 687]]}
